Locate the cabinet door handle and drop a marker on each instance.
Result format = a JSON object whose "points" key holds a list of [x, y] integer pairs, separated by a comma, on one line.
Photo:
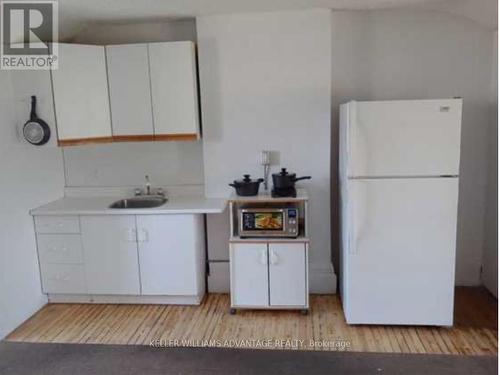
{"points": [[263, 257], [143, 235], [130, 235], [273, 258]]}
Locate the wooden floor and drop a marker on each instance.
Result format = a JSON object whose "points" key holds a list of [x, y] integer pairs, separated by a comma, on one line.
{"points": [[474, 332]]}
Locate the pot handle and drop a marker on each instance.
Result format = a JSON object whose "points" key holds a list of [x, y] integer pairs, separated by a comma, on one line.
{"points": [[302, 178]]}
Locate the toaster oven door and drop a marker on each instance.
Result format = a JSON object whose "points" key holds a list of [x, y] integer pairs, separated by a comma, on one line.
{"points": [[262, 223]]}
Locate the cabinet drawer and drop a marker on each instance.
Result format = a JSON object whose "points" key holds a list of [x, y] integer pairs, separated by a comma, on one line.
{"points": [[57, 224], [60, 248], [63, 278]]}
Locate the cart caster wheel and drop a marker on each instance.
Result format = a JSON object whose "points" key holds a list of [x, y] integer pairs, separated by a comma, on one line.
{"points": [[232, 311], [304, 311]]}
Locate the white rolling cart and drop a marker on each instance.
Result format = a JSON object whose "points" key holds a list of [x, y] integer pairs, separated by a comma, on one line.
{"points": [[269, 272]]}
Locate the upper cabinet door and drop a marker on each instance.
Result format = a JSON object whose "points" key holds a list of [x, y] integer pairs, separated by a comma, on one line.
{"points": [[129, 89], [174, 89], [81, 94]]}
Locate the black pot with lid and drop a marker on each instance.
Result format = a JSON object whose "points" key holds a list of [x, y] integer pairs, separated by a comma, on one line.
{"points": [[247, 187], [286, 180]]}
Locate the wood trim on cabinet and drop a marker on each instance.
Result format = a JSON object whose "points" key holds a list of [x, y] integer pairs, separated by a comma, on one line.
{"points": [[83, 141], [133, 138], [128, 138], [176, 137]]}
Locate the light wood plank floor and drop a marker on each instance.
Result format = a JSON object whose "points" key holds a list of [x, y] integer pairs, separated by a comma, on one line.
{"points": [[474, 332]]}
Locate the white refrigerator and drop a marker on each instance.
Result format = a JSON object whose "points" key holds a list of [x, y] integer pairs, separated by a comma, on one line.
{"points": [[399, 173]]}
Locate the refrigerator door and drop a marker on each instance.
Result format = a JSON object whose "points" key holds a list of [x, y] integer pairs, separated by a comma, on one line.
{"points": [[399, 259], [404, 138]]}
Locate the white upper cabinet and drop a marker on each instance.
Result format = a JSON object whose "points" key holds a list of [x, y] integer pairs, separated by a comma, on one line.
{"points": [[174, 88], [81, 94], [129, 90]]}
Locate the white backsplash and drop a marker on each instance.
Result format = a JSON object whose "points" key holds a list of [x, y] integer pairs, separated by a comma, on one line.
{"points": [[126, 164]]}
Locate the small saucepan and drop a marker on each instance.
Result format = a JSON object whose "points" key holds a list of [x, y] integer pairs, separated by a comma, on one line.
{"points": [[247, 187], [285, 180]]}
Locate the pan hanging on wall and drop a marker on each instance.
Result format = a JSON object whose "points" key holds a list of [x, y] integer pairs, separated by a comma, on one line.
{"points": [[35, 130]]}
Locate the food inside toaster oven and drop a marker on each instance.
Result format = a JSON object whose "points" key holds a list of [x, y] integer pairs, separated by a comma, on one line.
{"points": [[268, 221]]}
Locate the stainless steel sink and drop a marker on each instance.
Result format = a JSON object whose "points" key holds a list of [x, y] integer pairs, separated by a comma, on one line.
{"points": [[140, 202]]}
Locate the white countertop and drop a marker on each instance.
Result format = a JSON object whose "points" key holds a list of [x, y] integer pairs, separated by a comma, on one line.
{"points": [[189, 204]]}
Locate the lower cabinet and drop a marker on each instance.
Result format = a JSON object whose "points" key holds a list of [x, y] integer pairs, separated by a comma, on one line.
{"points": [[63, 278], [160, 258], [269, 275], [249, 274], [171, 254], [287, 274], [110, 254]]}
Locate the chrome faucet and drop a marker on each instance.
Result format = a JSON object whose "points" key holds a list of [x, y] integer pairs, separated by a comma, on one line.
{"points": [[148, 186], [148, 190]]}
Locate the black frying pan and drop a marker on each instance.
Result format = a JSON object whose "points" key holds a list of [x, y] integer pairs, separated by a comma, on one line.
{"points": [[35, 130]]}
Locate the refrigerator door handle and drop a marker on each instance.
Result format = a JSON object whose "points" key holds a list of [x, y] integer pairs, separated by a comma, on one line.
{"points": [[353, 248], [351, 219]]}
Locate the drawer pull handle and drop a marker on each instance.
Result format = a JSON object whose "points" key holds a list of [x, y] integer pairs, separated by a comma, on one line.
{"points": [[54, 249], [60, 277]]}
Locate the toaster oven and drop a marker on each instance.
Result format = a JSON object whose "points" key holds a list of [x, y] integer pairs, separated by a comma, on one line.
{"points": [[268, 222]]}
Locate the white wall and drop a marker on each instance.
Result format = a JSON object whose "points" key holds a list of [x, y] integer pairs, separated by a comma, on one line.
{"points": [[380, 55], [30, 176], [265, 85], [125, 164], [490, 254]]}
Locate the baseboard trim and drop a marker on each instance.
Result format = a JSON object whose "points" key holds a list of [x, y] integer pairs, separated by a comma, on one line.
{"points": [[153, 300], [322, 281]]}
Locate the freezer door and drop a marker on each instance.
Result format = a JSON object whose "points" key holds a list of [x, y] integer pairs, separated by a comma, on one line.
{"points": [[404, 138], [400, 260]]}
